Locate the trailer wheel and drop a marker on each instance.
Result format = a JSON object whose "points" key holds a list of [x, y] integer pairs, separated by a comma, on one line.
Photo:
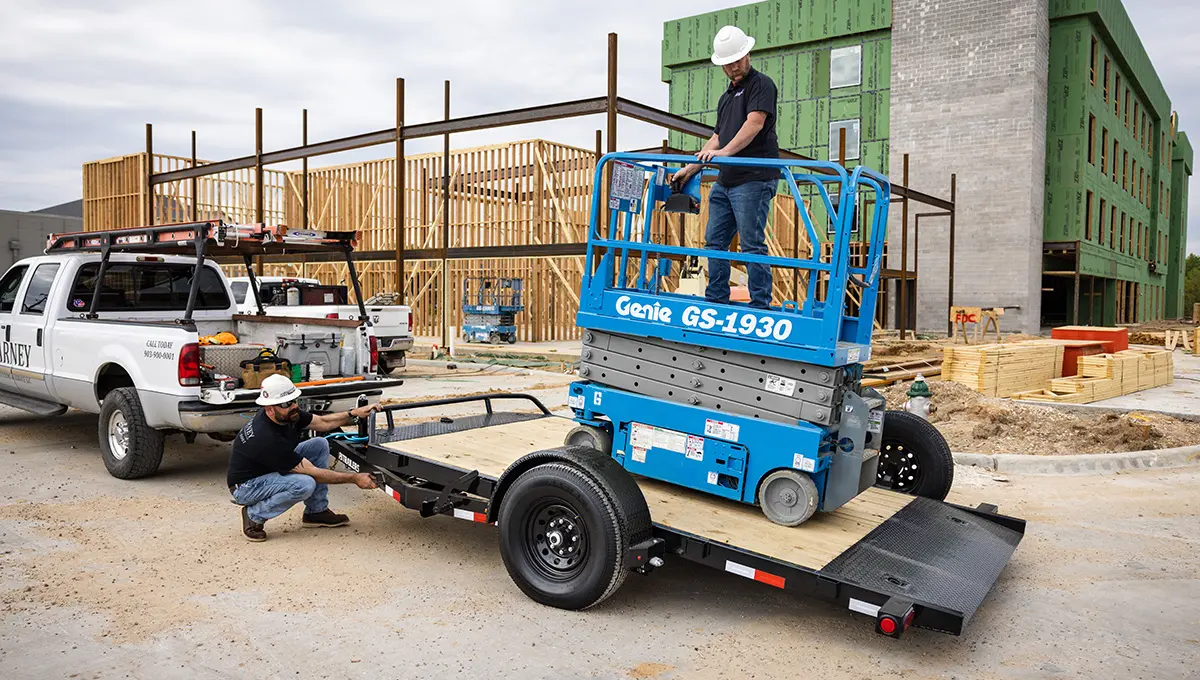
{"points": [[914, 457], [591, 437], [130, 448], [788, 497], [562, 538]]}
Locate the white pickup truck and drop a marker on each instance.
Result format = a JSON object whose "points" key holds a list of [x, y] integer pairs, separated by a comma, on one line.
{"points": [[131, 350], [392, 324]]}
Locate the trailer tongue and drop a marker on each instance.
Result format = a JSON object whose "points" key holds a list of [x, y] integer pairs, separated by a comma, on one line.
{"points": [[902, 560]]}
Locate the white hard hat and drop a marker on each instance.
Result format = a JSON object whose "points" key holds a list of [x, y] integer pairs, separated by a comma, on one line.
{"points": [[276, 389], [731, 44]]}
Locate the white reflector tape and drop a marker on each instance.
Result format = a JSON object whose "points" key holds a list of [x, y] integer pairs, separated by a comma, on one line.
{"points": [[864, 607], [459, 513], [754, 574], [392, 492]]}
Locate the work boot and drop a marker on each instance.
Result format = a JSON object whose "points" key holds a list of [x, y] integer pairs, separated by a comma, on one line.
{"points": [[325, 518], [252, 531]]}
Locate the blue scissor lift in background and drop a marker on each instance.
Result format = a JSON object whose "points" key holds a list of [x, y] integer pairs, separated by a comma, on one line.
{"points": [[490, 306], [762, 406]]}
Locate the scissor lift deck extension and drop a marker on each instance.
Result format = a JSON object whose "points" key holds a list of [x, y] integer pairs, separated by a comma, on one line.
{"points": [[905, 561]]}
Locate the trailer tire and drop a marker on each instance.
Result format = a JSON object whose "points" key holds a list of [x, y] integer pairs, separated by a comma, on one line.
{"points": [[130, 447], [590, 436], [914, 457], [586, 522]]}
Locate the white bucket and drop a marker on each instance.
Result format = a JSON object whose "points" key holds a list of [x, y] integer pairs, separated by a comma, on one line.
{"points": [[316, 370]]}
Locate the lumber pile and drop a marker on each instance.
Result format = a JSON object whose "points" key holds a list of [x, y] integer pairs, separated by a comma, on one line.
{"points": [[1005, 369], [1104, 376]]}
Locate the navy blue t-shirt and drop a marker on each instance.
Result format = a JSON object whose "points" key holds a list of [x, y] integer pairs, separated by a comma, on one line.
{"points": [[755, 92], [264, 446]]}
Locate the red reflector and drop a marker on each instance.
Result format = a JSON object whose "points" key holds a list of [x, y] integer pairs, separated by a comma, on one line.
{"points": [[888, 625], [189, 365], [908, 618], [331, 316]]}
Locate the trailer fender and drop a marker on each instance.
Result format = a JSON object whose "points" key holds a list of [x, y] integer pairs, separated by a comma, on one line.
{"points": [[618, 484]]}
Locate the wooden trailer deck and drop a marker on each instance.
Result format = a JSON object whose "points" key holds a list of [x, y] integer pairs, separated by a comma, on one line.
{"points": [[813, 545]]}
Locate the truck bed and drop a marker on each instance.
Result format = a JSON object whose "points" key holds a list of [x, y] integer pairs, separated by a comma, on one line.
{"points": [[814, 544]]}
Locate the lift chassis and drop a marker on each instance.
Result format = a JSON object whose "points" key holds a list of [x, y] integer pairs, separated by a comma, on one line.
{"points": [[573, 523]]}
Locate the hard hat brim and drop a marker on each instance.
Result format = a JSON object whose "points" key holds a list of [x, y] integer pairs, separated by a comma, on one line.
{"points": [[721, 61], [279, 399]]}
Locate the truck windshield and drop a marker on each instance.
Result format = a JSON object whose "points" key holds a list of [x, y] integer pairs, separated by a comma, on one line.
{"points": [[145, 286]]}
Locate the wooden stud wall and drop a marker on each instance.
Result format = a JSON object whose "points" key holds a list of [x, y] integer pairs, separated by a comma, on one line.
{"points": [[531, 192]]}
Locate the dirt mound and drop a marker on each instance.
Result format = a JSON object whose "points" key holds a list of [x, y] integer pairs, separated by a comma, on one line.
{"points": [[974, 423]]}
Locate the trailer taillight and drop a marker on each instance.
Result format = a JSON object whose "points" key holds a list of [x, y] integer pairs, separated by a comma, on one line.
{"points": [[374, 344], [189, 365], [894, 617], [332, 315]]}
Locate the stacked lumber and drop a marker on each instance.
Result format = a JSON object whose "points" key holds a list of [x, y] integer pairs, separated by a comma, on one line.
{"points": [[1104, 376], [1005, 369]]}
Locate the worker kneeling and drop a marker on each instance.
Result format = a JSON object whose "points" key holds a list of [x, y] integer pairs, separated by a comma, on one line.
{"points": [[270, 469]]}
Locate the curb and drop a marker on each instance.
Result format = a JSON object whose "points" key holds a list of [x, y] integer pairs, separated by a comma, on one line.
{"points": [[1083, 464]]}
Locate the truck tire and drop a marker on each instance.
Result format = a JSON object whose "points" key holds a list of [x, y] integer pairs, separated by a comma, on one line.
{"points": [[590, 436], [914, 457], [131, 448], [562, 537]]}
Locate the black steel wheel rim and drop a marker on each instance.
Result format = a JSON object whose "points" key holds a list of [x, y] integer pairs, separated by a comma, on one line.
{"points": [[555, 540], [899, 467]]}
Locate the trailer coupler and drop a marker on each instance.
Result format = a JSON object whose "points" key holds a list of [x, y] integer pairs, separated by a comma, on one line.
{"points": [[646, 556]]}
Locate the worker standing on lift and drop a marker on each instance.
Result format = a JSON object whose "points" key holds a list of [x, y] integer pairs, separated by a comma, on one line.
{"points": [[741, 198]]}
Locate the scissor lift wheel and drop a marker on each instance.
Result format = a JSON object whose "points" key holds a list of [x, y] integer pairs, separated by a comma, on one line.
{"points": [[588, 435], [788, 497]]}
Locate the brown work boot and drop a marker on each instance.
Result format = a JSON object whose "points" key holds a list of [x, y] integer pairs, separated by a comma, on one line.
{"points": [[325, 518], [252, 532]]}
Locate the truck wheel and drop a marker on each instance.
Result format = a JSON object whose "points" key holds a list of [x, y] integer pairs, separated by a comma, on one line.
{"points": [[788, 497], [130, 447], [590, 436], [562, 538], [914, 457]]}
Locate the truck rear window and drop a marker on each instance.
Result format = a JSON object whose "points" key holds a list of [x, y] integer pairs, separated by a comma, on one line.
{"points": [[146, 286]]}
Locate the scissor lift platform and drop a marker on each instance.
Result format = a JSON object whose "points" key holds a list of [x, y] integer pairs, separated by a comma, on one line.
{"points": [[894, 557]]}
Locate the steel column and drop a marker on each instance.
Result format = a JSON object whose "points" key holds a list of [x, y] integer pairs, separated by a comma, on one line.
{"points": [[258, 175], [195, 198], [446, 225], [953, 212], [400, 178], [148, 204], [904, 256]]}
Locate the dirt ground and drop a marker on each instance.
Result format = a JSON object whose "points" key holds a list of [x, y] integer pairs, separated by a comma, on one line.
{"points": [[104, 578], [974, 423]]}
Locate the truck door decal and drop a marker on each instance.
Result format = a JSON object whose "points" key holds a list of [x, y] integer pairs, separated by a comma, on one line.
{"points": [[15, 354]]}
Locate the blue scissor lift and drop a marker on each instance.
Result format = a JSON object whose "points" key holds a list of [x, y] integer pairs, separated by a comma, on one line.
{"points": [[490, 306], [761, 406]]}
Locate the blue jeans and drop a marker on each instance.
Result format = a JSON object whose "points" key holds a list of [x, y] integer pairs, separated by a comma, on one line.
{"points": [[272, 494], [742, 210]]}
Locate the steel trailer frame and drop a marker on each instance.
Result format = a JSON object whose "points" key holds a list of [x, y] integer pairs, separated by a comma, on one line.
{"points": [[433, 488]]}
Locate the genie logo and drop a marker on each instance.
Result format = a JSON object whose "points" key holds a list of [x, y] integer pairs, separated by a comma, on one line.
{"points": [[654, 312]]}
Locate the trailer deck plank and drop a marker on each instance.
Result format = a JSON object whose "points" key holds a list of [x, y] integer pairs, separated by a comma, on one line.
{"points": [[814, 544]]}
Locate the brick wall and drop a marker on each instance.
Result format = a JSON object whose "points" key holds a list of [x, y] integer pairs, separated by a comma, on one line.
{"points": [[969, 97]]}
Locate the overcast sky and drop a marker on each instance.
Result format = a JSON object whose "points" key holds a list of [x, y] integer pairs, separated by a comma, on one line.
{"points": [[78, 79]]}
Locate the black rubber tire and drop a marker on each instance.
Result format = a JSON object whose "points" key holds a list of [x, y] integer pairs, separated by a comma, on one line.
{"points": [[512, 338], [605, 538], [591, 437], [493, 338], [914, 435], [144, 448]]}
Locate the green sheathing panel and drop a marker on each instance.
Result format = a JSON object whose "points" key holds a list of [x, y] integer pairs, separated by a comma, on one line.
{"points": [[794, 42], [1181, 172], [1141, 166]]}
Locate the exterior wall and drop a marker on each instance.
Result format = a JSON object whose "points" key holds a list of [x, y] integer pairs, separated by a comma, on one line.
{"points": [[969, 97], [24, 234], [1178, 219]]}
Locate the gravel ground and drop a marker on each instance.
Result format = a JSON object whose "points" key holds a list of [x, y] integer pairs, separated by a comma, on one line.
{"points": [[102, 578]]}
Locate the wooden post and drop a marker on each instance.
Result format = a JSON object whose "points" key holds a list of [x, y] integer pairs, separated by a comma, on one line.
{"points": [[446, 226], [953, 211], [195, 187], [904, 254], [400, 178], [148, 203]]}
